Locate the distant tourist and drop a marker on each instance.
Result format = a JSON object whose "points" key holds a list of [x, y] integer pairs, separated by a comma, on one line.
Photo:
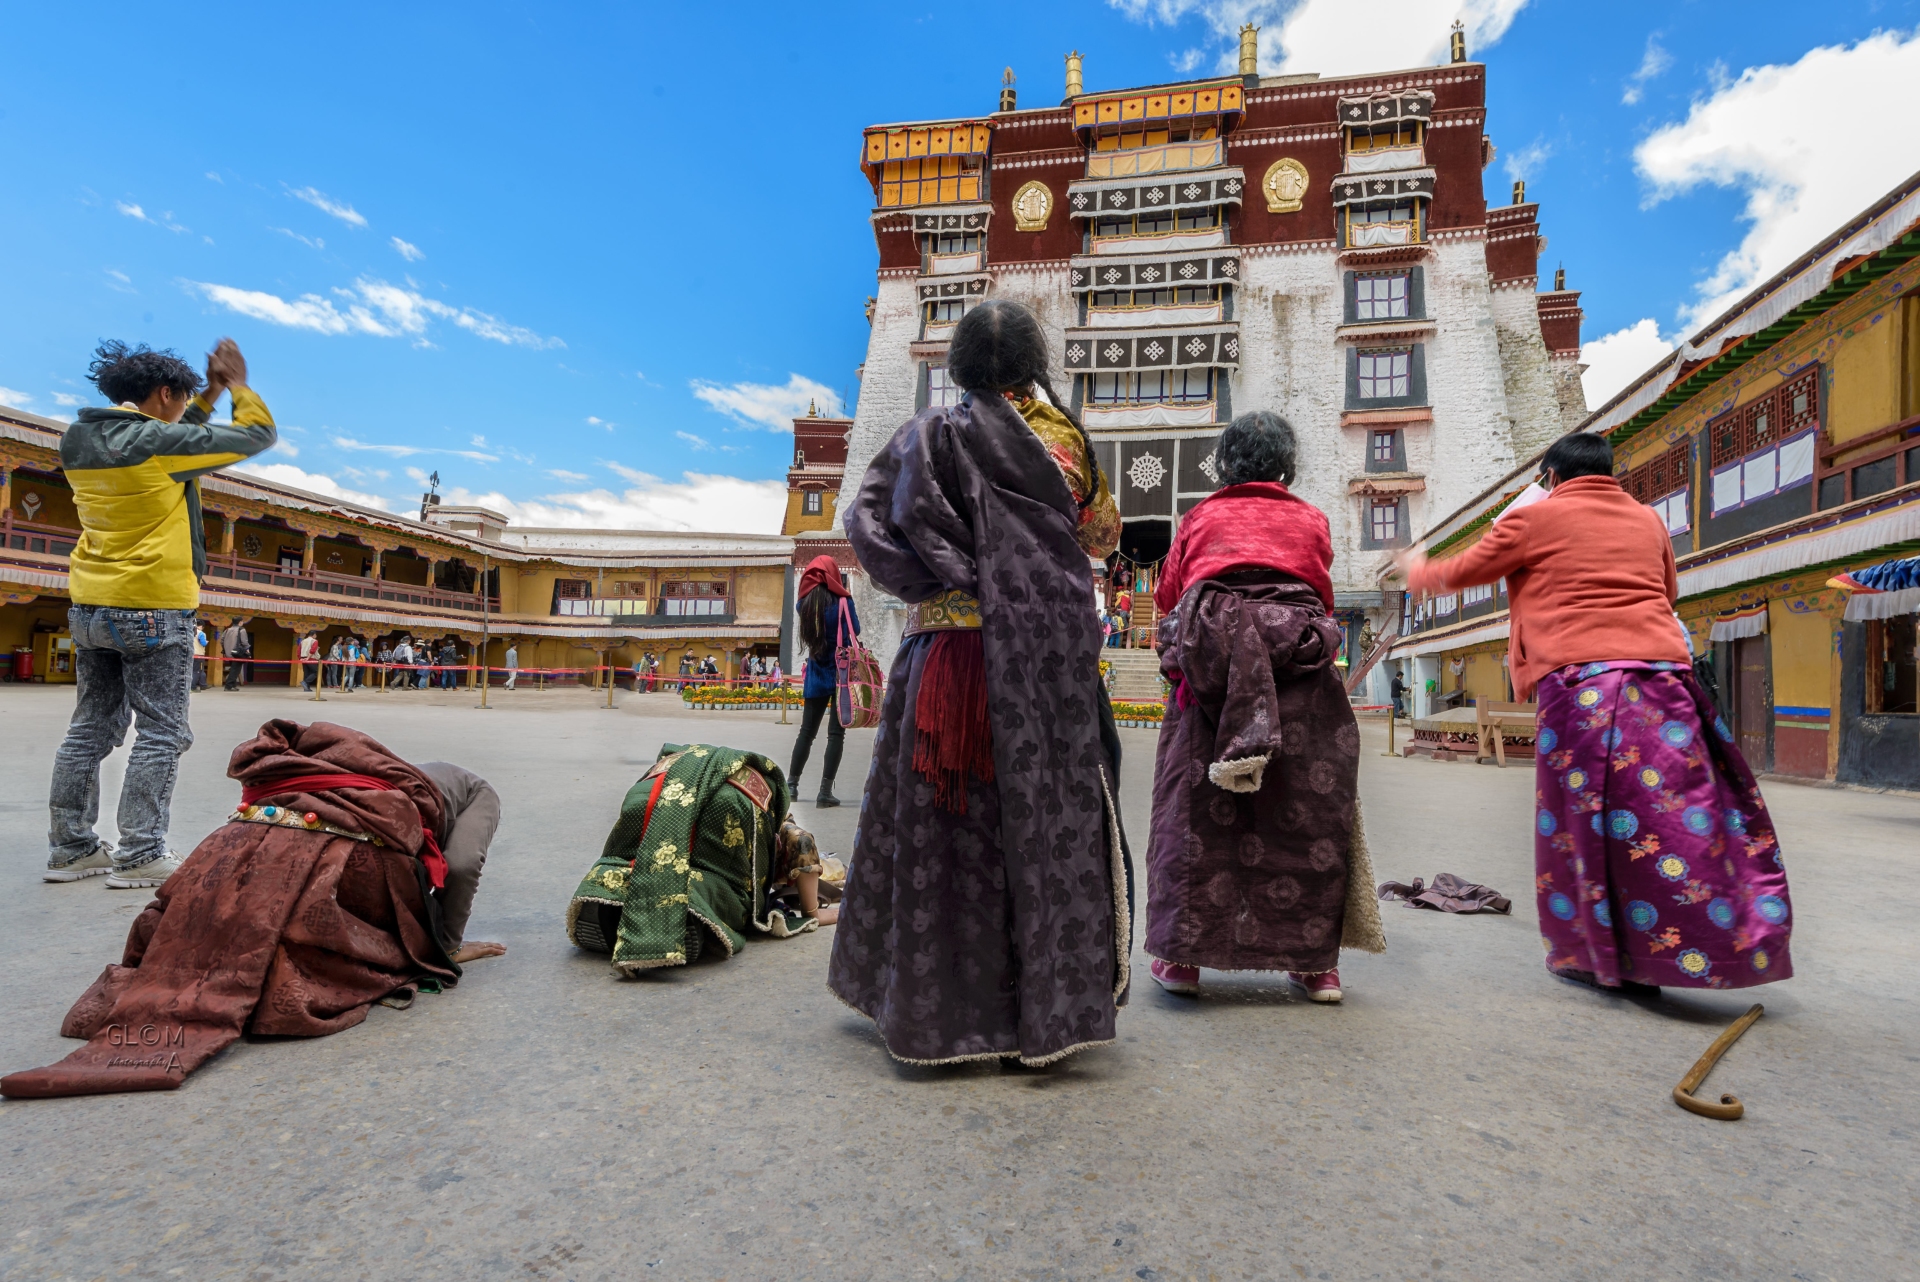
{"points": [[199, 656], [987, 908], [449, 663], [512, 664], [134, 580], [1399, 693], [235, 647], [1655, 860], [309, 656], [819, 596]]}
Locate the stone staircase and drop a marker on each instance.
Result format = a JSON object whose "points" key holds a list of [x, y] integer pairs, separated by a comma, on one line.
{"points": [[1136, 674]]}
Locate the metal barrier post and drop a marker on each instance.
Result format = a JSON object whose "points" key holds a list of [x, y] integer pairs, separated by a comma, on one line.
{"points": [[1391, 713]]}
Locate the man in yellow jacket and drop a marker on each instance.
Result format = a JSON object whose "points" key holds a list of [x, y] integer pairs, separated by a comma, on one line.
{"points": [[134, 578]]}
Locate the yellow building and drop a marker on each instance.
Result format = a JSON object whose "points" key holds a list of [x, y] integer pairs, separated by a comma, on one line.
{"points": [[286, 562], [1781, 444]]}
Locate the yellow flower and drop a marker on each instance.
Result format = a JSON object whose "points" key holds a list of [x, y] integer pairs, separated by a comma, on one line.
{"points": [[734, 835], [671, 899], [664, 856], [695, 876], [613, 878], [677, 791]]}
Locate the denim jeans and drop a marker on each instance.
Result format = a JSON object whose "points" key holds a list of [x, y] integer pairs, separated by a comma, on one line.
{"points": [[125, 662]]}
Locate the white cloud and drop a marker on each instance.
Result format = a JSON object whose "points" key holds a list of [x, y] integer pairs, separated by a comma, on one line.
{"points": [[120, 282], [698, 501], [69, 400], [412, 253], [1331, 36], [311, 242], [561, 474], [132, 211], [309, 311], [595, 421], [1792, 137], [164, 220], [328, 205], [312, 482], [407, 451], [771, 406], [1615, 360], [1525, 162], [216, 178], [18, 399], [698, 442], [1654, 61], [369, 307]]}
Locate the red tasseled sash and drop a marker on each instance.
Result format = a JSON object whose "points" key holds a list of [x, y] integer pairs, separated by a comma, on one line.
{"points": [[952, 737], [252, 796]]}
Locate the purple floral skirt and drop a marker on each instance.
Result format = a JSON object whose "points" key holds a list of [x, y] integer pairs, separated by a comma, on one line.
{"points": [[1655, 860]]}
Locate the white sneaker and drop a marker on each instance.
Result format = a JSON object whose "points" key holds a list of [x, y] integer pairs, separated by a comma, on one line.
{"points": [[88, 865], [151, 873]]}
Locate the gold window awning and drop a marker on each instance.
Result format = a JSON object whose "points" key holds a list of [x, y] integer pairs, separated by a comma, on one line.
{"points": [[1216, 98], [926, 164]]}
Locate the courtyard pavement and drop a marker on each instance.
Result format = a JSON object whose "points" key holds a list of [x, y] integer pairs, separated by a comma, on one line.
{"points": [[1462, 1115]]}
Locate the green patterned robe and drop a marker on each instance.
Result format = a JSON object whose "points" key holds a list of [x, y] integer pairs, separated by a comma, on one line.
{"points": [[701, 871]]}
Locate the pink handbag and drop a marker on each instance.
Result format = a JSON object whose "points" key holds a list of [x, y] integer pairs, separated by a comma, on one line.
{"points": [[857, 678]]}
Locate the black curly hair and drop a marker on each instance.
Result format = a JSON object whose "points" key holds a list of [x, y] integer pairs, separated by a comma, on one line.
{"points": [[1257, 446], [131, 374], [997, 347]]}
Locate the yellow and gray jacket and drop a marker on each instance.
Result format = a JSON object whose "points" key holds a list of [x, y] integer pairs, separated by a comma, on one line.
{"points": [[142, 545]]}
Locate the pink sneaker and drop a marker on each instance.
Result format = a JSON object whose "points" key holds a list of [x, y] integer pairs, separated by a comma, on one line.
{"points": [[1174, 977], [1323, 987]]}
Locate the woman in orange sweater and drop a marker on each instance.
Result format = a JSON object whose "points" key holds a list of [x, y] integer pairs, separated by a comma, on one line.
{"points": [[1655, 860]]}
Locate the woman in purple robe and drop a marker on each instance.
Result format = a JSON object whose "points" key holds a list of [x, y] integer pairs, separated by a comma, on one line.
{"points": [[987, 901], [1655, 861]]}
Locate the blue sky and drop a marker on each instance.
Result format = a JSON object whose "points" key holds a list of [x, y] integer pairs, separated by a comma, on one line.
{"points": [[584, 261]]}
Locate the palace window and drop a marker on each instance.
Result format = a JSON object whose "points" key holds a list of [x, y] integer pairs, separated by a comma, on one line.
{"points": [[964, 242], [935, 180], [1386, 377], [1157, 223], [693, 598], [1380, 296], [1385, 522], [1384, 373], [1767, 445], [1385, 222], [1186, 294], [940, 388], [810, 503], [1151, 387], [946, 311], [1403, 134], [1197, 219], [1663, 485], [1892, 667], [1386, 450]]}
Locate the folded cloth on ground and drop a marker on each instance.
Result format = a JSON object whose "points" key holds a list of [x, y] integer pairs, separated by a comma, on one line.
{"points": [[290, 920], [1448, 894]]}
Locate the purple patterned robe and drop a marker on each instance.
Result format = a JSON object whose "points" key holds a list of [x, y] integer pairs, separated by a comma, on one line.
{"points": [[1002, 932], [1655, 859]]}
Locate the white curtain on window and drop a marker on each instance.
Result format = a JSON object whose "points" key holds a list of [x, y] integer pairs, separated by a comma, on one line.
{"points": [[1368, 234], [1178, 314], [1796, 459], [1758, 476], [1386, 159], [1148, 415], [1726, 489], [1161, 243]]}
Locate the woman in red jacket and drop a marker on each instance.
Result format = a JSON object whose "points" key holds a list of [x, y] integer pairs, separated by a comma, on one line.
{"points": [[1256, 862], [1655, 859]]}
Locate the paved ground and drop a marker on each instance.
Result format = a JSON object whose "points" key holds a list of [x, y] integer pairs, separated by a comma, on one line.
{"points": [[1461, 1116]]}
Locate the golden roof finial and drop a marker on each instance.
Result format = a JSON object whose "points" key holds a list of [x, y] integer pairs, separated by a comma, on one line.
{"points": [[1249, 50], [1076, 85]]}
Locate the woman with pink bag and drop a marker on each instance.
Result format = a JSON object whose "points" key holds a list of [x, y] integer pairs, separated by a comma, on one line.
{"points": [[822, 596]]}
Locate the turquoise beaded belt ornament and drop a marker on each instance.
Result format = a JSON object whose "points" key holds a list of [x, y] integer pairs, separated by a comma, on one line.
{"points": [[284, 817]]}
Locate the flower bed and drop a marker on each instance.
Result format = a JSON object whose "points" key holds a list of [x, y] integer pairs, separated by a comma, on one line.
{"points": [[720, 699], [1142, 715]]}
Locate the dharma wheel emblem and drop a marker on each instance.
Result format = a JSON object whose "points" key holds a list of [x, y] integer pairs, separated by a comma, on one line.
{"points": [[1146, 472], [1031, 206], [1285, 186]]}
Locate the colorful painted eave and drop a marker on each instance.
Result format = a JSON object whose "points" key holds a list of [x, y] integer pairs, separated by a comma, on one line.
{"points": [[1747, 349]]}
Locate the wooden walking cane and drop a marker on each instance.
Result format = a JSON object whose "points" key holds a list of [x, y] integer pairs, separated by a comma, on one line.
{"points": [[1729, 1108]]}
